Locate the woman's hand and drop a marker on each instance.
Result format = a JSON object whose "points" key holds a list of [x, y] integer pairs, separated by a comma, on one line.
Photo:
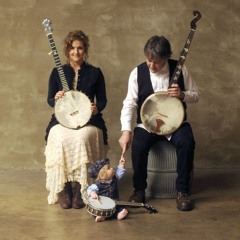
{"points": [[59, 94], [94, 109]]}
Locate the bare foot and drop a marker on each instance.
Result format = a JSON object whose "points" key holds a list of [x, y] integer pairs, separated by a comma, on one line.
{"points": [[121, 215], [99, 219]]}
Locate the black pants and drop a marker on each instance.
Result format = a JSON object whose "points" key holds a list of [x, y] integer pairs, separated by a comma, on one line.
{"points": [[184, 142]]}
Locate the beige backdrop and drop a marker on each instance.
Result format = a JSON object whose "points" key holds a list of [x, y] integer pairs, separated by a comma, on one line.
{"points": [[118, 30]]}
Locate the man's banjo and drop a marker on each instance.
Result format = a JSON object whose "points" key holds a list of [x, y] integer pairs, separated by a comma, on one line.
{"points": [[160, 113], [73, 110]]}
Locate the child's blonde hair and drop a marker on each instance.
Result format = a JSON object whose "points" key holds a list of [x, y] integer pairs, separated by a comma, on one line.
{"points": [[102, 175]]}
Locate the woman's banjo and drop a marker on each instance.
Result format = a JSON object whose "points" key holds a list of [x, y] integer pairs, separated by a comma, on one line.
{"points": [[160, 113], [73, 110]]}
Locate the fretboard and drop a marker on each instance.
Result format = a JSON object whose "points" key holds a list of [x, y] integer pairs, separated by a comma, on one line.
{"points": [[182, 58], [58, 62], [129, 203]]}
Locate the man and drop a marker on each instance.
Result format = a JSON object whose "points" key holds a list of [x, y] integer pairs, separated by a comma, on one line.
{"points": [[152, 76]]}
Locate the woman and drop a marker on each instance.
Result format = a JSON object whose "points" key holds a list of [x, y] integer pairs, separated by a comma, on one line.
{"points": [[69, 151]]}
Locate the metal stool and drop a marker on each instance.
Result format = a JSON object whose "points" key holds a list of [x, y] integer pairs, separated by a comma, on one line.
{"points": [[162, 165]]}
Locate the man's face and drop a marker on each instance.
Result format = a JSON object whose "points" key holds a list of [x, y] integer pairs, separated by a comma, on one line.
{"points": [[155, 65]]}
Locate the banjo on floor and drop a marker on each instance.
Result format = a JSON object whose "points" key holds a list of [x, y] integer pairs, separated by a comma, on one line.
{"points": [[160, 113], [106, 207], [73, 110]]}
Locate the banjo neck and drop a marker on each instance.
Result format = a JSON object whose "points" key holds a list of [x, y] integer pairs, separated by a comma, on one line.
{"points": [[133, 204], [54, 52], [185, 49], [136, 204]]}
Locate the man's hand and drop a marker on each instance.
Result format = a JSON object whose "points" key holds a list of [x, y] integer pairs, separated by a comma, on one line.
{"points": [[175, 91], [125, 141]]}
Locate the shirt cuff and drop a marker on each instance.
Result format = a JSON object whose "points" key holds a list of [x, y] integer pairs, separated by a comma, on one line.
{"points": [[126, 127]]}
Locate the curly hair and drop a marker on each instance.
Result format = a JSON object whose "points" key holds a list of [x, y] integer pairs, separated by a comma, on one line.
{"points": [[76, 35]]}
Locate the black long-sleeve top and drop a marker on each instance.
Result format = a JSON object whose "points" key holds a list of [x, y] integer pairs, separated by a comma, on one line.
{"points": [[91, 82]]}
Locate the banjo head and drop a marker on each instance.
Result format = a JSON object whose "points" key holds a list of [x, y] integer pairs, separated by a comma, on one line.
{"points": [[104, 206], [73, 110], [162, 114]]}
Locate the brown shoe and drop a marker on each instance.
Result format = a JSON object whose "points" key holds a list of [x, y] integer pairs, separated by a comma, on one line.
{"points": [[138, 196], [77, 199], [78, 203], [66, 201], [183, 202]]}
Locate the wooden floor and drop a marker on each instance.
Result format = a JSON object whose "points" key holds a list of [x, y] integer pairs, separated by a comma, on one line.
{"points": [[25, 214]]}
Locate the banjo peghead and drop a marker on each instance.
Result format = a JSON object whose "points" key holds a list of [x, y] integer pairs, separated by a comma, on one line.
{"points": [[193, 22]]}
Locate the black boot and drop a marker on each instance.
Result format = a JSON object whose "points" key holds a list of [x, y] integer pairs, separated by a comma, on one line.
{"points": [[66, 200], [77, 198]]}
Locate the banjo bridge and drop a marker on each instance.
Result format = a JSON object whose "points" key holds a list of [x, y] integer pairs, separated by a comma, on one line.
{"points": [[163, 115], [74, 113]]}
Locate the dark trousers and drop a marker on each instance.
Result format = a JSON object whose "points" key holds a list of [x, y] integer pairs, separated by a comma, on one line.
{"points": [[184, 142]]}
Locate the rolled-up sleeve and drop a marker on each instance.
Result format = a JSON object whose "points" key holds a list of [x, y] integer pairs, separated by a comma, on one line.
{"points": [[130, 102], [191, 91]]}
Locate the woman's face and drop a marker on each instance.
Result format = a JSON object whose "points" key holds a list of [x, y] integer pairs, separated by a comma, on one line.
{"points": [[77, 52]]}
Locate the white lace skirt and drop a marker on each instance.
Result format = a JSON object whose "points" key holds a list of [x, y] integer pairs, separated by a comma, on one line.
{"points": [[68, 153]]}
